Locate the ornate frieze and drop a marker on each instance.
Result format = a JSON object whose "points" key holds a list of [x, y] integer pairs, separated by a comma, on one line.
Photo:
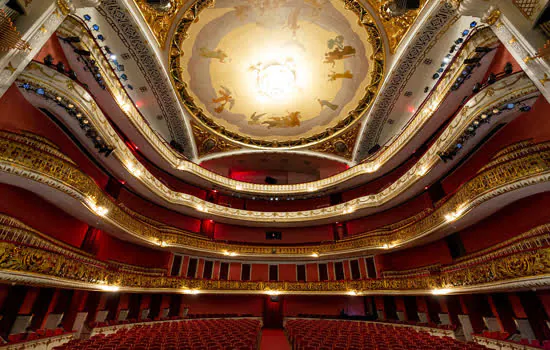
{"points": [[70, 28], [208, 142], [506, 90], [33, 265], [35, 164]]}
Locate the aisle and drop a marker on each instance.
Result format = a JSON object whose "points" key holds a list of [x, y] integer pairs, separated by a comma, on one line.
{"points": [[274, 339]]}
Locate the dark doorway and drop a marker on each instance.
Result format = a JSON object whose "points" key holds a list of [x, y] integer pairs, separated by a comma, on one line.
{"points": [[273, 311]]}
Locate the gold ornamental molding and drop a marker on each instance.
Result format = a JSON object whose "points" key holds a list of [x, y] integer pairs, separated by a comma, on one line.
{"points": [[342, 145], [176, 69], [509, 89], [72, 27], [161, 18], [516, 170], [209, 143], [32, 264]]}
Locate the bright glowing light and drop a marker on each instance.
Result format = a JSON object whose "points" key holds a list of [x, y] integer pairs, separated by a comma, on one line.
{"points": [[163, 244], [182, 166], [312, 189], [227, 253], [352, 292], [315, 255], [125, 107], [113, 57], [422, 171], [386, 246], [109, 288], [272, 292], [442, 291], [201, 208], [276, 81], [134, 170], [238, 187], [191, 291], [349, 210], [98, 209]]}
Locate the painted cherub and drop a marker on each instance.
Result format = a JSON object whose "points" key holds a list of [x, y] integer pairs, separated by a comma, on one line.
{"points": [[326, 103], [224, 99]]}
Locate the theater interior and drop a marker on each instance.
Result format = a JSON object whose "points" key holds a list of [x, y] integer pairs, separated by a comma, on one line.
{"points": [[388, 191]]}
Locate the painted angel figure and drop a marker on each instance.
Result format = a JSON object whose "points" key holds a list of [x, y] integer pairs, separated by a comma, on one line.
{"points": [[224, 99]]}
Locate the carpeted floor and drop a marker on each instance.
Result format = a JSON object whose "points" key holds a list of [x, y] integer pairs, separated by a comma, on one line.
{"points": [[274, 339]]}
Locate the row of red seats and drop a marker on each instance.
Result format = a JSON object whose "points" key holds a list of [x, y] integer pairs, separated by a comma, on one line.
{"points": [[215, 334], [357, 335]]}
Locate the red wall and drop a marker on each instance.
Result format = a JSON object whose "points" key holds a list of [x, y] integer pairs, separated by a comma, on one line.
{"points": [[260, 272], [159, 213], [111, 248], [433, 253], [390, 216], [287, 272], [235, 271], [41, 215], [24, 117], [507, 223]]}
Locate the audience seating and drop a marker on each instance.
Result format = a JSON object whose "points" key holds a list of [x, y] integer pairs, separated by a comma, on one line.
{"points": [[215, 334], [351, 335]]}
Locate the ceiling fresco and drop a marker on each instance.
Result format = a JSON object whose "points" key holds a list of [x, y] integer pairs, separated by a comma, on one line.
{"points": [[277, 73]]}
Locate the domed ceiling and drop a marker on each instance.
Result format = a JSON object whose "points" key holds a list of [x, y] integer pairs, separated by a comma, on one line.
{"points": [[277, 73]]}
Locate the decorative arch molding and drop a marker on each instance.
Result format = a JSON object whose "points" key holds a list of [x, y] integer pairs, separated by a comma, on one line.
{"points": [[38, 167], [123, 162], [33, 264], [172, 162]]}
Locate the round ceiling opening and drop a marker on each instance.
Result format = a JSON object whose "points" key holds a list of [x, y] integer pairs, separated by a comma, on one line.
{"points": [[277, 72]]}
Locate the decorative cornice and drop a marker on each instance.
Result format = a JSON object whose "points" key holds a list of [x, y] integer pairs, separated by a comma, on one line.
{"points": [[444, 16], [341, 146], [36, 165], [28, 264], [73, 28], [210, 143], [506, 90], [129, 33]]}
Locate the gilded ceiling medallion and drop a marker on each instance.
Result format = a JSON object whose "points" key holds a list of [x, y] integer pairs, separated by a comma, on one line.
{"points": [[342, 145], [208, 143], [277, 73]]}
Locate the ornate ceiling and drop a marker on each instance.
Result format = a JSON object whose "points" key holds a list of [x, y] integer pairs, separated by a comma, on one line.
{"points": [[285, 74], [277, 73]]}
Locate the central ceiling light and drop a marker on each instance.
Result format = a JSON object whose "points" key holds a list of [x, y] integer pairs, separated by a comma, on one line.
{"points": [[276, 80]]}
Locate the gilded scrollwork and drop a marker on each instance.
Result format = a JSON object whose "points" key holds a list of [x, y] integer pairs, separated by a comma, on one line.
{"points": [[51, 267], [522, 168], [209, 143], [70, 28], [340, 146]]}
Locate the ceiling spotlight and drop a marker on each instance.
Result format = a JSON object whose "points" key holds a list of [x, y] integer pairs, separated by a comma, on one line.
{"points": [[112, 57], [476, 88]]}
